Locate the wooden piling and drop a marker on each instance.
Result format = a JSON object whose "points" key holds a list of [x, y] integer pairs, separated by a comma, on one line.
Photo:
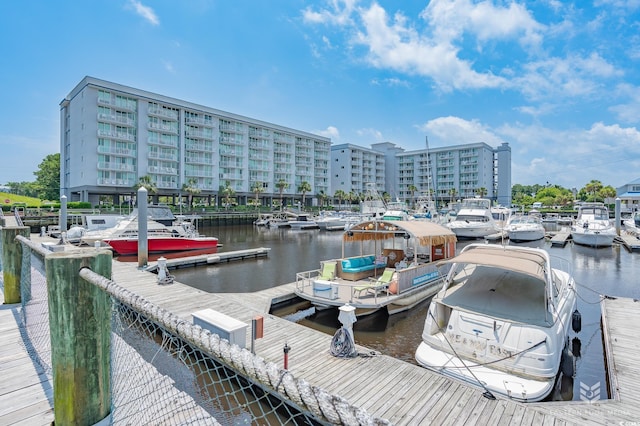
{"points": [[12, 262], [80, 323]]}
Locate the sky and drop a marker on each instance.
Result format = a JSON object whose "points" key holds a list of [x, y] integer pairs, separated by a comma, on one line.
{"points": [[557, 80]]}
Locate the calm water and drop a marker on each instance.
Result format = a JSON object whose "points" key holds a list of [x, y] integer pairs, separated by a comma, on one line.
{"points": [[611, 271]]}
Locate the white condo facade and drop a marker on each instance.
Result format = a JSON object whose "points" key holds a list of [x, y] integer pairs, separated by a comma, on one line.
{"points": [[112, 135], [451, 172]]}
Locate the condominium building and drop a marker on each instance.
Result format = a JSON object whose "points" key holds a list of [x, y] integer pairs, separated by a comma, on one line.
{"points": [[450, 173], [353, 168], [113, 135]]}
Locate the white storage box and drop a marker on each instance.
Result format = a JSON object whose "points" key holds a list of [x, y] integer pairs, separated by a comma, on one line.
{"points": [[325, 289], [233, 330]]}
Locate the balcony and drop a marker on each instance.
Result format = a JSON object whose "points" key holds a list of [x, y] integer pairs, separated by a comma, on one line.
{"points": [[119, 167], [163, 170], [163, 112], [163, 127], [124, 152], [196, 133], [118, 119], [116, 182], [162, 156], [116, 135]]}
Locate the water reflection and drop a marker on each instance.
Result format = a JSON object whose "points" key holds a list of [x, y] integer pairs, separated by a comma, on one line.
{"points": [[610, 270]]}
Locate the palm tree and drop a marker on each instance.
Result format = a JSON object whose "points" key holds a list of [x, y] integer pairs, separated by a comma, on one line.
{"points": [[592, 188], [281, 185], [304, 187], [228, 193], [452, 194], [191, 188], [323, 197], [340, 195], [257, 188], [147, 183], [412, 190], [482, 192]]}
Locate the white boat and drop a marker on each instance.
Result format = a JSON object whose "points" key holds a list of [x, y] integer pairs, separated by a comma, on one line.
{"points": [[395, 271], [396, 210], [593, 226], [501, 215], [525, 228], [474, 219], [303, 221], [501, 321], [160, 221]]}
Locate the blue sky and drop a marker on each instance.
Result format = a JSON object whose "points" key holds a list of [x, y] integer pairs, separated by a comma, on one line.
{"points": [[557, 80]]}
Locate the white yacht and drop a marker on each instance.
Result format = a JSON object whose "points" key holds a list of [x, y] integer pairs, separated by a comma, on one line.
{"points": [[500, 321], [474, 219], [593, 226], [525, 228]]}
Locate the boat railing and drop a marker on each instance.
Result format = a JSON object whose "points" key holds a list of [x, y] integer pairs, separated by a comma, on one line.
{"points": [[309, 283], [561, 264]]}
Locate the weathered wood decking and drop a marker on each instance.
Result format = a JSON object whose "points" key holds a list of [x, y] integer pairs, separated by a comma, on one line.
{"points": [[26, 396], [403, 393]]}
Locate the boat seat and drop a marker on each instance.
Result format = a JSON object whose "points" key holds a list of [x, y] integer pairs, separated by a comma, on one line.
{"points": [[327, 272], [378, 285]]}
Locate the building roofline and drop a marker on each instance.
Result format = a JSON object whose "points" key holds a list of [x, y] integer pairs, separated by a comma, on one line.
{"points": [[178, 103]]}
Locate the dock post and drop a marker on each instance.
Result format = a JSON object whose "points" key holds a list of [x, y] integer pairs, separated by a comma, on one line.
{"points": [[143, 242], [80, 324], [12, 262], [63, 214], [617, 216]]}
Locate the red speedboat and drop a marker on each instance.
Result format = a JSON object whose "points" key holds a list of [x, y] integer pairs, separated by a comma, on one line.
{"points": [[161, 244]]}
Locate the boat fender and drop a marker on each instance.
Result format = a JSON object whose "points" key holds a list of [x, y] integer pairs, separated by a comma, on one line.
{"points": [[576, 321], [576, 347]]}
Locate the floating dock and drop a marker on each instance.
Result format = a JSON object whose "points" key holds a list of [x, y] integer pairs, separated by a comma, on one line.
{"points": [[213, 258]]}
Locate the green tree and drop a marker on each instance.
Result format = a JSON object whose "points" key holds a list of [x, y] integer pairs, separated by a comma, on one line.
{"points": [[412, 190], [147, 183], [191, 188], [607, 192], [482, 191], [228, 192], [47, 184], [322, 196], [452, 194], [281, 185], [303, 188], [340, 195], [591, 191], [257, 188]]}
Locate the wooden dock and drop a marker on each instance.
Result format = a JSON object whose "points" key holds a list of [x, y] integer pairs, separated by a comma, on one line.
{"points": [[629, 241], [561, 237], [403, 393], [26, 395], [212, 258]]}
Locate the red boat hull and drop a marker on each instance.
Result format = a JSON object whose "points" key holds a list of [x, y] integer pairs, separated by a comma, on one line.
{"points": [[162, 244]]}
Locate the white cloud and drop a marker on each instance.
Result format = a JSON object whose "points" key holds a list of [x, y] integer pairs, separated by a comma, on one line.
{"points": [[339, 13], [169, 66], [456, 131], [145, 12], [330, 132], [628, 112], [371, 135]]}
